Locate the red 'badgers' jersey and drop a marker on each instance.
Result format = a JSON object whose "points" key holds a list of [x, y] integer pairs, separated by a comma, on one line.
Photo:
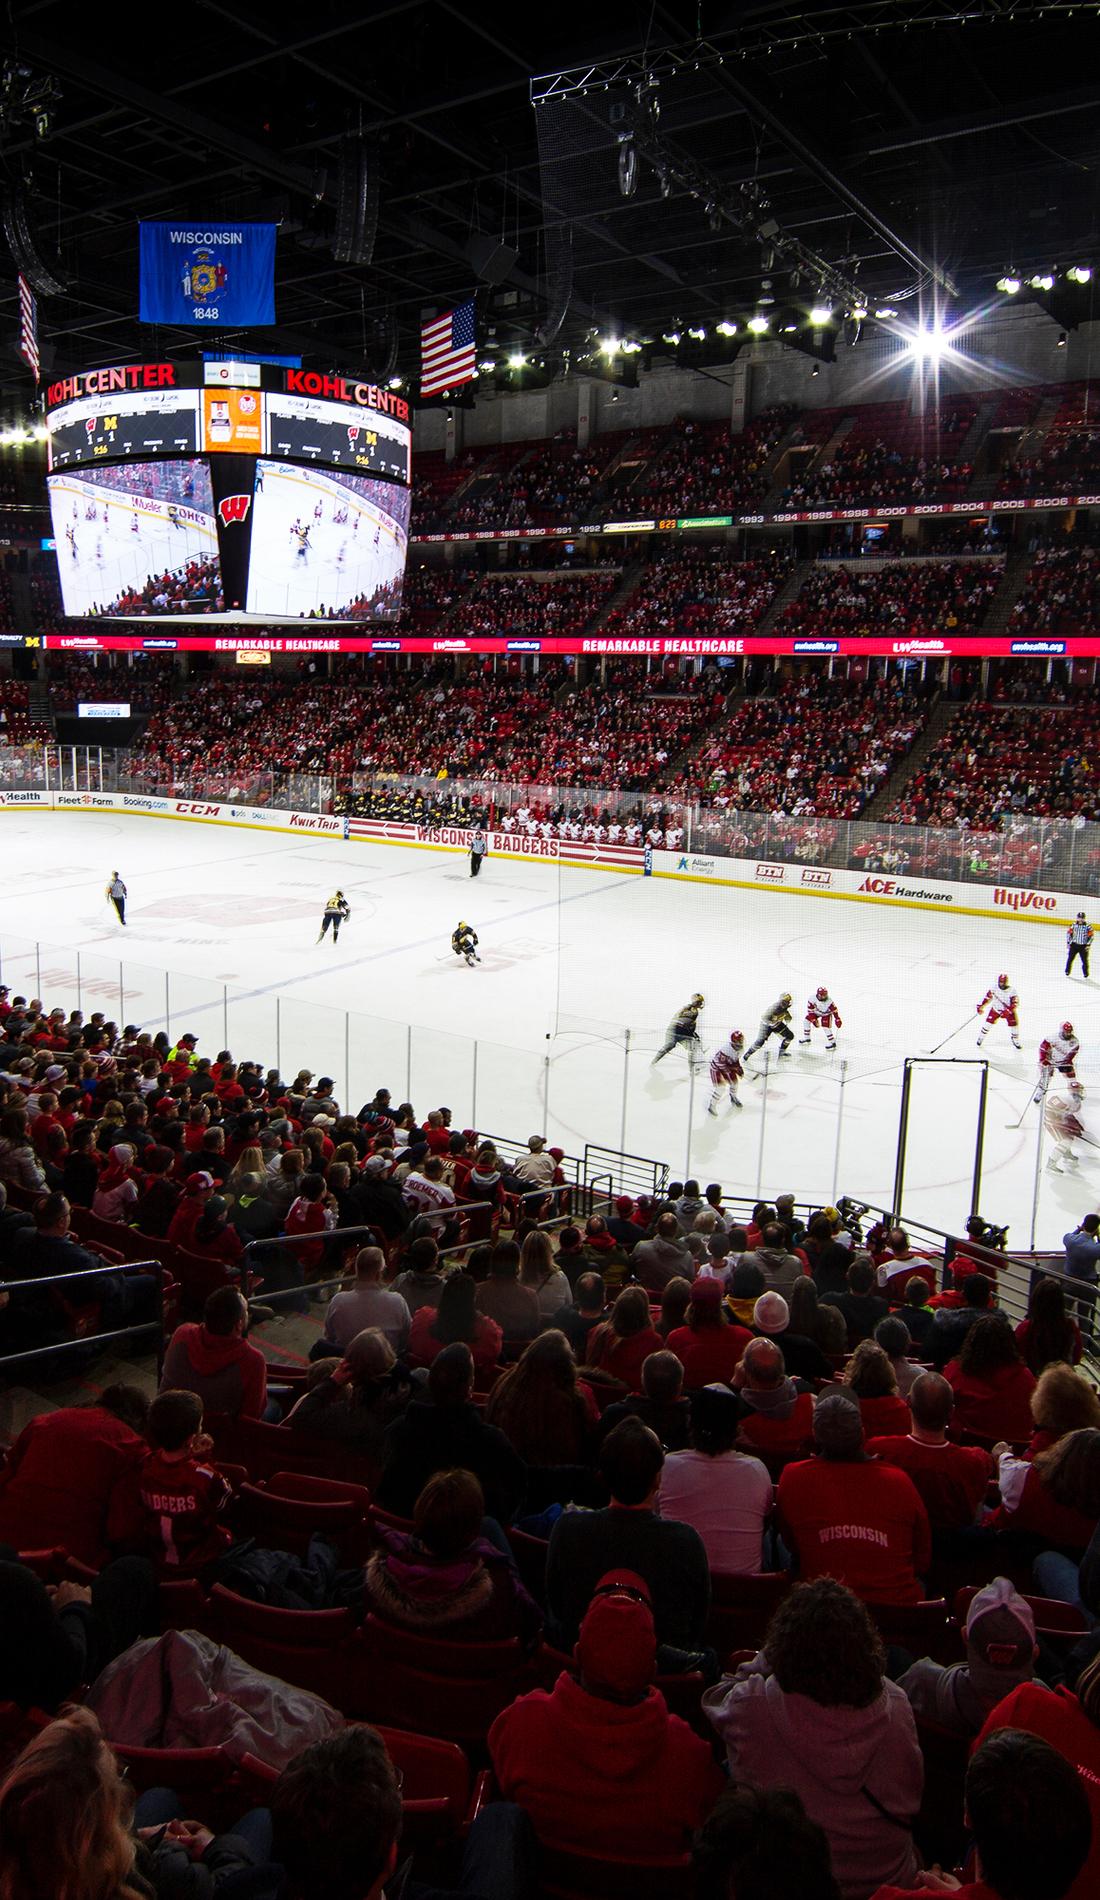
{"points": [[1058, 1052]]}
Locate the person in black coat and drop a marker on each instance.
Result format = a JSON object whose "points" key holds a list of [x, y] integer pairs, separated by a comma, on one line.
{"points": [[377, 1202], [443, 1433]]}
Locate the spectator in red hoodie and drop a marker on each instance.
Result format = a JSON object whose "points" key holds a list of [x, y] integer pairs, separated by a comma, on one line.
{"points": [[215, 1361], [60, 1476], [597, 1761], [1057, 1497], [709, 1346], [991, 1383], [851, 1517], [212, 1237], [179, 1493], [621, 1345], [197, 1190], [307, 1215], [778, 1412], [870, 1379]]}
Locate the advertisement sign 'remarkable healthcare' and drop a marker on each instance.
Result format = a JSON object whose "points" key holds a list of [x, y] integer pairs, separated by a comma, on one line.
{"points": [[207, 274]]}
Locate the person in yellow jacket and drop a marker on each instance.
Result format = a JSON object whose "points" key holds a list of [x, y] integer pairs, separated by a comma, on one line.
{"points": [[337, 912]]}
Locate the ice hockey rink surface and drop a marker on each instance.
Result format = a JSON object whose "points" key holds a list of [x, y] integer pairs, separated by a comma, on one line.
{"points": [[221, 940]]}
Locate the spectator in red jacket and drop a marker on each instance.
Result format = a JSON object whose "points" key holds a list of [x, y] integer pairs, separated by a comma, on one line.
{"points": [[709, 1346], [307, 1215], [991, 1383], [778, 1411], [1048, 1334], [1056, 1497], [456, 1317], [597, 1761], [951, 1479], [212, 1238], [216, 1361], [848, 1516], [197, 1190], [622, 1344], [870, 1379], [58, 1480]]}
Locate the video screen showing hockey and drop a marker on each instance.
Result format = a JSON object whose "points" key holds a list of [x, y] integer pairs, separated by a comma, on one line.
{"points": [[139, 538], [326, 546]]}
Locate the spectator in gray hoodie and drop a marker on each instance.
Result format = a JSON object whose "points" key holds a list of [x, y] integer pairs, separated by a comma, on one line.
{"points": [[655, 1262], [815, 1712], [781, 1270], [1000, 1655], [690, 1204]]}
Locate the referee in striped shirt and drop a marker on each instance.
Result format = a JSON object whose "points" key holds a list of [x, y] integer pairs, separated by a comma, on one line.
{"points": [[1078, 939]]}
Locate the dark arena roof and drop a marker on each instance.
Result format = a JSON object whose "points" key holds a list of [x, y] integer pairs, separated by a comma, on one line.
{"points": [[648, 171]]}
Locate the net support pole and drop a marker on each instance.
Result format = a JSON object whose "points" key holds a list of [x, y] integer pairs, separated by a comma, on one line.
{"points": [[278, 1034], [979, 1139], [626, 1086], [225, 1015], [1037, 1180], [763, 1122], [839, 1128], [691, 1118], [903, 1136], [473, 1090]]}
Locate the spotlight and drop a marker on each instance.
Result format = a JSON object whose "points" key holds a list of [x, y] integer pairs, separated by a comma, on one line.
{"points": [[820, 314], [1079, 273], [1008, 284], [929, 346], [516, 360], [1062, 341], [631, 347], [610, 346], [758, 324], [671, 336], [816, 370], [486, 367], [858, 312], [725, 328], [698, 331], [395, 382], [1042, 280], [885, 312]]}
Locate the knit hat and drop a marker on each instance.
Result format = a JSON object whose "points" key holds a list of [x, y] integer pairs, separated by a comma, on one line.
{"points": [[706, 1291], [558, 1153], [624, 1206], [771, 1314], [1000, 1625], [617, 1645], [197, 1183]]}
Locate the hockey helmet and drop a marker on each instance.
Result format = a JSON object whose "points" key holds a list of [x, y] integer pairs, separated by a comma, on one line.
{"points": [[786, 997], [737, 1037], [822, 992], [1066, 1029], [1080, 914], [698, 1000], [463, 926], [1002, 981]]}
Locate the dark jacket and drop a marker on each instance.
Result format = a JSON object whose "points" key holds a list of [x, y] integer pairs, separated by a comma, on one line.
{"points": [[431, 1438], [585, 1545], [379, 1204]]}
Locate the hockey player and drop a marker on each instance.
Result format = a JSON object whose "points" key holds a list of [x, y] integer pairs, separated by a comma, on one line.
{"points": [[301, 535], [1059, 1052], [478, 850], [1078, 939], [1064, 1125], [464, 944], [821, 1013], [683, 1032], [1004, 1007], [337, 912], [116, 894], [726, 1070], [774, 1023]]}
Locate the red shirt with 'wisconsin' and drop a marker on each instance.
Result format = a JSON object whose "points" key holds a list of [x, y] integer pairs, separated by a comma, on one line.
{"points": [[862, 1523], [182, 1500]]}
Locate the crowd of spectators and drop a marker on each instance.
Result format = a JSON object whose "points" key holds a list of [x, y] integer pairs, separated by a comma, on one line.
{"points": [[995, 761], [889, 457], [1061, 595], [524, 604], [907, 600], [705, 470], [700, 592]]}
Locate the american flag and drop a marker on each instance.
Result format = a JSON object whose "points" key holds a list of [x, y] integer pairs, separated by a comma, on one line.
{"points": [[447, 350], [28, 327]]}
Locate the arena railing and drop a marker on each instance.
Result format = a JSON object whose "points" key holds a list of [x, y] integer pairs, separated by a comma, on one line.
{"points": [[1056, 854], [92, 1341]]}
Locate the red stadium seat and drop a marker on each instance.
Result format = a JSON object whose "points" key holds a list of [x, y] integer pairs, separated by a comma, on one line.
{"points": [[307, 1647]]}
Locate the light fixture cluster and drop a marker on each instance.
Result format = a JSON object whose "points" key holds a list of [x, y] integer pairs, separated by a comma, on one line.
{"points": [[1011, 282], [21, 438]]}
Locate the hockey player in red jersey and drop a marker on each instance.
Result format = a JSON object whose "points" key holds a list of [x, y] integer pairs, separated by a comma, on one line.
{"points": [[726, 1070], [821, 1013], [1004, 1007], [1059, 1052]]}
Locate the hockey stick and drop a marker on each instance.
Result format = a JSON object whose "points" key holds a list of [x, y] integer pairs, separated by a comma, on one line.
{"points": [[951, 1034], [1027, 1104]]}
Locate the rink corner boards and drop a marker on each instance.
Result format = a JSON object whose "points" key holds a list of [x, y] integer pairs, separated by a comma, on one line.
{"points": [[795, 879]]}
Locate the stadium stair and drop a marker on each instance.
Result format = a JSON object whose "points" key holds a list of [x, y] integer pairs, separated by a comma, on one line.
{"points": [[1013, 580], [789, 591], [973, 441], [628, 584], [773, 500], [942, 714], [987, 484]]}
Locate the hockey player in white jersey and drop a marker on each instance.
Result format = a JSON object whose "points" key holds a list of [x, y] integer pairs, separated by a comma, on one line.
{"points": [[774, 1022], [1004, 1007], [1064, 1126], [821, 1013], [726, 1071], [1059, 1053]]}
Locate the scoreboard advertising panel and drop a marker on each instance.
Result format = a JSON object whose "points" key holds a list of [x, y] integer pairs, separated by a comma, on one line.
{"points": [[164, 478]]}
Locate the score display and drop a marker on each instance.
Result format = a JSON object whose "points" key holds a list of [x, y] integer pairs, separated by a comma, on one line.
{"points": [[112, 428], [309, 429]]}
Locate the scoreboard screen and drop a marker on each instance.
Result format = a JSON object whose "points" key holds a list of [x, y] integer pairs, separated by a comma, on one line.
{"points": [[141, 423], [308, 429]]}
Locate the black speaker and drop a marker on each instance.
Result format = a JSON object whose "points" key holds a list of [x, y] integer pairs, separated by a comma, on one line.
{"points": [[491, 260], [356, 204]]}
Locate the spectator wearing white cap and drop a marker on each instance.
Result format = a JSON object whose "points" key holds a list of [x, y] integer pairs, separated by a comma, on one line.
{"points": [[803, 1358], [537, 1166], [1000, 1655]]}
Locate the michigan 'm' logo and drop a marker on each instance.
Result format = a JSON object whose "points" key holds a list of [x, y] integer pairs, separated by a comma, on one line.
{"points": [[234, 508]]}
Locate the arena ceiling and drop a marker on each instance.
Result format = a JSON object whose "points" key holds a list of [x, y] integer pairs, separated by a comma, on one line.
{"points": [[916, 151]]}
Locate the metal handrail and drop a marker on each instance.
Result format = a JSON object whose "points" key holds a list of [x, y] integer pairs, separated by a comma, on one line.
{"points": [[39, 1281]]}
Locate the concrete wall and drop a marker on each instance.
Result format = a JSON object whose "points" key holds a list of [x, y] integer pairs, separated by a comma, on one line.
{"points": [[1015, 344]]}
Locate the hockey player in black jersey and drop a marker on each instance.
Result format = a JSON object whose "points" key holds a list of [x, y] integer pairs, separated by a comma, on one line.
{"points": [[464, 944], [337, 912]]}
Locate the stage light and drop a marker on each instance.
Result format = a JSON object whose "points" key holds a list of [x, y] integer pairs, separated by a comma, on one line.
{"points": [[631, 347], [395, 382], [885, 312], [725, 328], [486, 366], [1042, 280], [858, 312], [931, 345], [757, 324], [516, 360], [1008, 284], [610, 346], [820, 314], [671, 336], [816, 370], [1062, 341], [698, 331], [1079, 273]]}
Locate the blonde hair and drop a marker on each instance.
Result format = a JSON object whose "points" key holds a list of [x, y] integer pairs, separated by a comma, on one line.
{"points": [[1063, 1401], [61, 1818]]}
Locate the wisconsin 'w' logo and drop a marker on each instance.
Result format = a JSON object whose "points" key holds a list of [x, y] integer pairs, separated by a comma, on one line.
{"points": [[234, 508]]}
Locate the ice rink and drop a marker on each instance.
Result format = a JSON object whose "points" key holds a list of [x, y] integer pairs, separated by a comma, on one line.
{"points": [[221, 939], [353, 546], [108, 554]]}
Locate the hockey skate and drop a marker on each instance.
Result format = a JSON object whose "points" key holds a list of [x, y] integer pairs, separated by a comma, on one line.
{"points": [[803, 1042]]}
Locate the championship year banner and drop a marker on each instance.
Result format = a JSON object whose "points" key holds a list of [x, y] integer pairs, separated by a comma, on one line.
{"points": [[206, 274]]}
